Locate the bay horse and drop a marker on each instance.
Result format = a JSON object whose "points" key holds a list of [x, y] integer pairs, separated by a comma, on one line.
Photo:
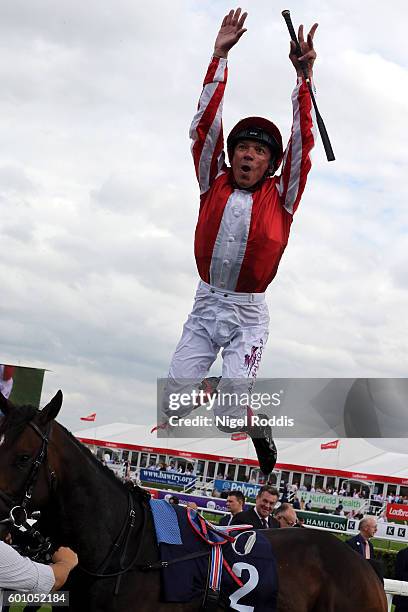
{"points": [[85, 506]]}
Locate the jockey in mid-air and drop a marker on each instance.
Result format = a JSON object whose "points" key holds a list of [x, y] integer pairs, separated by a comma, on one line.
{"points": [[244, 221]]}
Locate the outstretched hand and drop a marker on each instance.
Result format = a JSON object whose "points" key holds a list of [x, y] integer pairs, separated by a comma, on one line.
{"points": [[308, 56], [230, 32]]}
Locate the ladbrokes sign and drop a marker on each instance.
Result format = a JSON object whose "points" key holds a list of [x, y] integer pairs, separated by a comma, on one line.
{"points": [[397, 512]]}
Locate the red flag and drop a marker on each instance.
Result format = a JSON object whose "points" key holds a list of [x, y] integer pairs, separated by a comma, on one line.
{"points": [[90, 417], [241, 435], [327, 445]]}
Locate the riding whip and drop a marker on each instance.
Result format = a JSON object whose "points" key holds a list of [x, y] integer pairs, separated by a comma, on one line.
{"points": [[320, 123]]}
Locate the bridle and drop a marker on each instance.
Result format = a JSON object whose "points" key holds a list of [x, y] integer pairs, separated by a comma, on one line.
{"points": [[18, 513], [20, 509]]}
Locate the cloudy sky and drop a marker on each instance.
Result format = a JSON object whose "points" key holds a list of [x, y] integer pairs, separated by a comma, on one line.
{"points": [[98, 199]]}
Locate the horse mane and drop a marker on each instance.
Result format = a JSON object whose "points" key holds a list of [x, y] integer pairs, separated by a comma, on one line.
{"points": [[89, 455], [139, 492]]}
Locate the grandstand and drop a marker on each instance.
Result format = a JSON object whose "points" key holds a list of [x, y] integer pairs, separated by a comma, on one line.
{"points": [[302, 461]]}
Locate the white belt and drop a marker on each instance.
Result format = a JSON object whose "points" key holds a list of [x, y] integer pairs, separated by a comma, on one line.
{"points": [[232, 296]]}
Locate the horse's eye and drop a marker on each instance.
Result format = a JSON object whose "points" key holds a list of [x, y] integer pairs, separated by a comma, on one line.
{"points": [[23, 459]]}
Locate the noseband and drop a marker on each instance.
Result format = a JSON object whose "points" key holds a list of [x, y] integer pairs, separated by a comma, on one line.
{"points": [[21, 508]]}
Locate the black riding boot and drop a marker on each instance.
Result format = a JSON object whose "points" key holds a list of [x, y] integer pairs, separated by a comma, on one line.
{"points": [[261, 435], [265, 447]]}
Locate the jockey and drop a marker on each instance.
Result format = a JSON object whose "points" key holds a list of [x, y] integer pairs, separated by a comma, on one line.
{"points": [[243, 227]]}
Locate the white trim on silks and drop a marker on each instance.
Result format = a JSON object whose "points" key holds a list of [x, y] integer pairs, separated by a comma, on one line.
{"points": [[231, 241], [207, 152], [296, 159]]}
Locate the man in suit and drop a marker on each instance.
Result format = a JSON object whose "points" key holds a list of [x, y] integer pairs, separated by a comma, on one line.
{"points": [[401, 573], [235, 505], [286, 516], [260, 515], [361, 542]]}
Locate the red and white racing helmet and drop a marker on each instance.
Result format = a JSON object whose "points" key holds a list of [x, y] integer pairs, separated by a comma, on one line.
{"points": [[261, 130]]}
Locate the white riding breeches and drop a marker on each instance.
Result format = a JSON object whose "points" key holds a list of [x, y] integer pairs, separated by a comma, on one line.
{"points": [[238, 324]]}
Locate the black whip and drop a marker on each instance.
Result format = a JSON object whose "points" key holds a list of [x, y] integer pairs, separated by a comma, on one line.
{"points": [[320, 123]]}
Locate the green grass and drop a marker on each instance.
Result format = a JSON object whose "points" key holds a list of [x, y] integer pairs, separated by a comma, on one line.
{"points": [[21, 608]]}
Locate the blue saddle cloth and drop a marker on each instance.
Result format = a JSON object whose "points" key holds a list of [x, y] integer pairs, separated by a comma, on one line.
{"points": [[186, 580]]}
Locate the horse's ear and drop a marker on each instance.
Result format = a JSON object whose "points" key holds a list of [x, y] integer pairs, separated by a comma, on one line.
{"points": [[5, 405], [50, 411]]}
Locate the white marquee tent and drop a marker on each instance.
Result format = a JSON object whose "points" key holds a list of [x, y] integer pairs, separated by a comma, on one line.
{"points": [[368, 457]]}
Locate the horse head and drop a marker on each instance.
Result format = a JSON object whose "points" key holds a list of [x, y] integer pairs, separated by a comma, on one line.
{"points": [[26, 477]]}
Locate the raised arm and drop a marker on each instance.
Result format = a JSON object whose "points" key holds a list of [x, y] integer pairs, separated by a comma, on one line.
{"points": [[296, 160], [206, 129]]}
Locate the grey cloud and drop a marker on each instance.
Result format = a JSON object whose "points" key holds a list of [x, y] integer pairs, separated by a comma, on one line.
{"points": [[15, 180]]}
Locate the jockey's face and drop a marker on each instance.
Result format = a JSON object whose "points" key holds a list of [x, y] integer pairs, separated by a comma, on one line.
{"points": [[250, 162], [265, 503], [234, 505]]}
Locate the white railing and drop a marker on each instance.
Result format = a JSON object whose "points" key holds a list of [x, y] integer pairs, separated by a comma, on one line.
{"points": [[394, 587], [201, 484], [196, 484]]}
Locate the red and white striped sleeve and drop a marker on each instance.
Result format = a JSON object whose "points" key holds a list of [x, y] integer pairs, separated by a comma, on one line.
{"points": [[296, 160], [206, 129]]}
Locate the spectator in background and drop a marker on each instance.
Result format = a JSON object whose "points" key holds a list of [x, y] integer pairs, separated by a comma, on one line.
{"points": [[361, 542], [286, 516], [235, 505], [260, 515], [308, 505], [126, 468], [296, 504], [401, 573], [284, 492], [174, 500]]}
